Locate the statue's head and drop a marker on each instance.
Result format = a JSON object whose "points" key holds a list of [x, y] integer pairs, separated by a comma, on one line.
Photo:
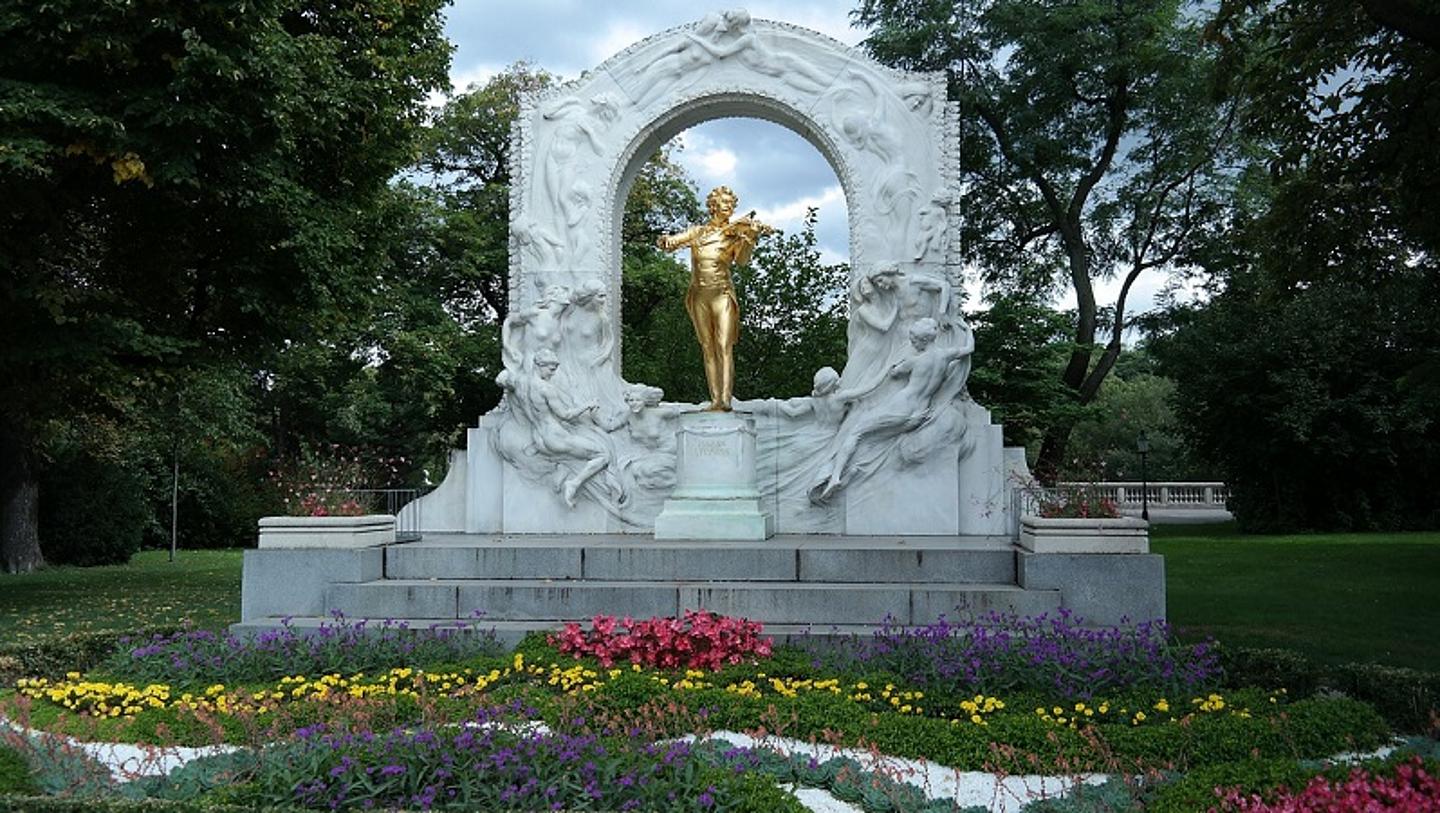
{"points": [[736, 19], [826, 381], [546, 362], [923, 332], [722, 201], [591, 291], [886, 275], [639, 396], [605, 107]]}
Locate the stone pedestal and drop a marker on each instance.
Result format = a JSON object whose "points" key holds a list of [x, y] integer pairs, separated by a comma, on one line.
{"points": [[717, 495]]}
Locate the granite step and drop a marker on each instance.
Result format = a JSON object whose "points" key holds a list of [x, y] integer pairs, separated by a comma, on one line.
{"points": [[766, 601], [509, 633], [941, 560]]}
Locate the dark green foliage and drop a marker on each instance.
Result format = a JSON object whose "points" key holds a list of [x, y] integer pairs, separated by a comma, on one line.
{"points": [[657, 341], [792, 316], [1310, 420], [1270, 668], [1021, 347], [1128, 404], [53, 657], [1408, 699], [1195, 790], [1322, 414], [1090, 148], [92, 509], [189, 187], [64, 804], [14, 773]]}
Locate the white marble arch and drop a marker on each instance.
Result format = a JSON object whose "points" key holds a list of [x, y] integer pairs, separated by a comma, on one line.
{"points": [[891, 137]]}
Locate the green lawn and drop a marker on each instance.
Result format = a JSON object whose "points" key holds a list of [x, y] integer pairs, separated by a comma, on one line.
{"points": [[1335, 597], [202, 586]]}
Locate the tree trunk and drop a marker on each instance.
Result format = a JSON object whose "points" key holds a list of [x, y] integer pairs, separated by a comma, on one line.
{"points": [[1051, 458], [19, 506]]}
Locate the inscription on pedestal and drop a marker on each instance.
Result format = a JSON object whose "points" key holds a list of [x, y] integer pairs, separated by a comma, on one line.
{"points": [[717, 494]]}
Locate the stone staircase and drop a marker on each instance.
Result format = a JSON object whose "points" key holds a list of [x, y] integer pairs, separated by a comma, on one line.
{"points": [[795, 585]]}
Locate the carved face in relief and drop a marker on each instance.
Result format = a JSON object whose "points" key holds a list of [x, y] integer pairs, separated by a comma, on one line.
{"points": [[591, 295], [546, 363], [923, 332]]}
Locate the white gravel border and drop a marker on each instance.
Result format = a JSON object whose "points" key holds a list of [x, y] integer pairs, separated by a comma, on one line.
{"points": [[997, 793]]}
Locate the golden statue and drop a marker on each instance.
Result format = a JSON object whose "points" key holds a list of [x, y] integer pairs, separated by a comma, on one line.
{"points": [[714, 311]]}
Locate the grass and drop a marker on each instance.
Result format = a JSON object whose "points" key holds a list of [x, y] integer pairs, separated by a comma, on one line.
{"points": [[202, 586], [1334, 597]]}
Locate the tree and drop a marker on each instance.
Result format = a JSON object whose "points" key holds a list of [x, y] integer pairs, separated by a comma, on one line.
{"points": [[185, 184], [1090, 147], [466, 166], [1304, 401], [1024, 346], [1320, 409], [1128, 404], [793, 316]]}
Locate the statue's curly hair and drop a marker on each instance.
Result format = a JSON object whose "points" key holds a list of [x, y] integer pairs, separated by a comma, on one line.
{"points": [[721, 192]]}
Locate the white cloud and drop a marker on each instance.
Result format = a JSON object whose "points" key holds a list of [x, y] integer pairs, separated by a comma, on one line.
{"points": [[717, 165], [462, 79], [790, 215], [618, 36]]}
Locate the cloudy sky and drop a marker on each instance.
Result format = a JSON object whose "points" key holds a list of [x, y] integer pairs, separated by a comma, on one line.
{"points": [[773, 170]]}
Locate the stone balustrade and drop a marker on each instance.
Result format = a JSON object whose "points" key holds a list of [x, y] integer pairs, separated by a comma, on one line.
{"points": [[1162, 493]]}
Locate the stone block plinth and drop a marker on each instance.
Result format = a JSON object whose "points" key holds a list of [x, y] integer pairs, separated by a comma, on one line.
{"points": [[1117, 535], [327, 532]]}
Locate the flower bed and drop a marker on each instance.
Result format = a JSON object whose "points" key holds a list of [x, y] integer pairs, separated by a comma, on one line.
{"points": [[1015, 695]]}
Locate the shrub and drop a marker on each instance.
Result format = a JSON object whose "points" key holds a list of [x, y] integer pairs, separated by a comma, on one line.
{"points": [[196, 657], [54, 657], [1407, 698], [699, 640], [14, 772], [1053, 654], [92, 510]]}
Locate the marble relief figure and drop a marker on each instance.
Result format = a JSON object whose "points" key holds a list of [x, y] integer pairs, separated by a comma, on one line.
{"points": [[560, 430], [924, 374]]}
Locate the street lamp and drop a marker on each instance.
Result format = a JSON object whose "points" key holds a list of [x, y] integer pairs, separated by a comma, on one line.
{"points": [[1142, 445]]}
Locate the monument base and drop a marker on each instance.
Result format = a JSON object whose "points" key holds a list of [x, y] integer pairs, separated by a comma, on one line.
{"points": [[717, 495]]}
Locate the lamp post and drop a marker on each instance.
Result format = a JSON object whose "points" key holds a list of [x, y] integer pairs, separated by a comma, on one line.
{"points": [[1142, 445]]}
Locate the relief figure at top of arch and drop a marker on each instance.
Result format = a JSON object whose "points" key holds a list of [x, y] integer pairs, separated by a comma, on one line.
{"points": [[718, 37]]}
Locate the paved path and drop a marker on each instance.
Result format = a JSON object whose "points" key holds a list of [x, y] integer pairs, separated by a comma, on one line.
{"points": [[1183, 516]]}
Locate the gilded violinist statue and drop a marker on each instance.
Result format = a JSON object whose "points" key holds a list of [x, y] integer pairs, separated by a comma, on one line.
{"points": [[714, 247]]}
